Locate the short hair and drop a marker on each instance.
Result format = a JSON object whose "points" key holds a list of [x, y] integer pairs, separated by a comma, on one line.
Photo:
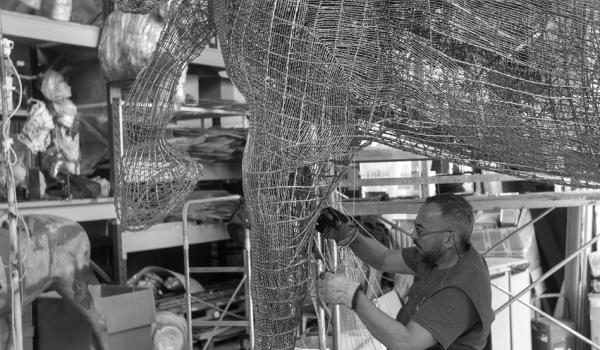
{"points": [[458, 211]]}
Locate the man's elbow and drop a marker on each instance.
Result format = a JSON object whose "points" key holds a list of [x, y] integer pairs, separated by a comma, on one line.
{"points": [[404, 345]]}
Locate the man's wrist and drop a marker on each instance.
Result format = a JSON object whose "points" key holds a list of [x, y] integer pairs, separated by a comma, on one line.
{"points": [[357, 292], [350, 236]]}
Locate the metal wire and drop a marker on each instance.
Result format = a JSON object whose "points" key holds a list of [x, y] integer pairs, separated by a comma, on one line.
{"points": [[508, 86]]}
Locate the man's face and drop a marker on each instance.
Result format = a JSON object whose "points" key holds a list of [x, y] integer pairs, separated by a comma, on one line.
{"points": [[431, 231]]}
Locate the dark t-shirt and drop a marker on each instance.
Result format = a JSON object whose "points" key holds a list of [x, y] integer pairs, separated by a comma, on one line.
{"points": [[447, 314]]}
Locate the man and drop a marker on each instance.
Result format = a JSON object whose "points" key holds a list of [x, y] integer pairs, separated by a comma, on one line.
{"points": [[449, 303]]}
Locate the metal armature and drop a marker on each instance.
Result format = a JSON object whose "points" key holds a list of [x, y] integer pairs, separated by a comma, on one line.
{"points": [[549, 273], [517, 231], [249, 322], [549, 317], [327, 262]]}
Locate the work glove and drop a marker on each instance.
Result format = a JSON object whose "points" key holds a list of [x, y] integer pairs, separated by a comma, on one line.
{"points": [[335, 225], [338, 289]]}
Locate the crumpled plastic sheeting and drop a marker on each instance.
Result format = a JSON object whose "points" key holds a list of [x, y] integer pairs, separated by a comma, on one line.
{"points": [[127, 43], [66, 112], [54, 86], [36, 131]]}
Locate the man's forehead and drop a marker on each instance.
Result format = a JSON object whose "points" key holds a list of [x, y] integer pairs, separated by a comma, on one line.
{"points": [[429, 211]]}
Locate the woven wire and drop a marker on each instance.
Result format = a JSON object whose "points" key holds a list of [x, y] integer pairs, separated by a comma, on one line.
{"points": [[508, 86], [138, 6], [154, 177]]}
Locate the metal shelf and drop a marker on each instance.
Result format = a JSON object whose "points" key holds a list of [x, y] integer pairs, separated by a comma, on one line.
{"points": [[74, 209], [168, 234], [42, 29]]}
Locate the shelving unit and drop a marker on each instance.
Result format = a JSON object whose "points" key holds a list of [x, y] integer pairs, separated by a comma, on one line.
{"points": [[36, 29], [168, 234], [32, 30]]}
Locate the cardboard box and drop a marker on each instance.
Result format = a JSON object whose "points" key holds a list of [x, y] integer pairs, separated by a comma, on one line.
{"points": [[128, 312]]}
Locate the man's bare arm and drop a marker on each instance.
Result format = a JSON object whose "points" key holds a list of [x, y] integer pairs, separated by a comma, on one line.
{"points": [[379, 256], [391, 333]]}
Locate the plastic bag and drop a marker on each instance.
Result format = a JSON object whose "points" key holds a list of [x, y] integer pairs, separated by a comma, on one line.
{"points": [[54, 86], [126, 44], [57, 9]]}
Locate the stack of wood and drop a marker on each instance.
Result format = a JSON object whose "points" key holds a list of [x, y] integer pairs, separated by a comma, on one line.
{"points": [[210, 145]]}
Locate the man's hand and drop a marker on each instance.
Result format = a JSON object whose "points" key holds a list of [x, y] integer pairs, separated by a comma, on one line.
{"points": [[337, 289], [335, 225]]}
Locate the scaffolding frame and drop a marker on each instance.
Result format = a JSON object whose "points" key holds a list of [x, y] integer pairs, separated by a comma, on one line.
{"points": [[246, 279], [541, 200]]}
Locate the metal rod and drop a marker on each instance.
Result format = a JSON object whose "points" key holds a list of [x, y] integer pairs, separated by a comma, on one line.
{"points": [[335, 309], [249, 304], [552, 319], [549, 273], [518, 230], [229, 302], [320, 306], [186, 259], [15, 261], [186, 266]]}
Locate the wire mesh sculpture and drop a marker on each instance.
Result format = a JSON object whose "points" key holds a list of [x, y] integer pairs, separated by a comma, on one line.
{"points": [[154, 177], [509, 86]]}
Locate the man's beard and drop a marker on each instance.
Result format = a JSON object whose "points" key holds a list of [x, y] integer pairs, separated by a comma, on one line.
{"points": [[430, 257]]}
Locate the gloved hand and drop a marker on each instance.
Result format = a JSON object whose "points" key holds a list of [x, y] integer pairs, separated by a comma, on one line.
{"points": [[335, 225], [338, 289]]}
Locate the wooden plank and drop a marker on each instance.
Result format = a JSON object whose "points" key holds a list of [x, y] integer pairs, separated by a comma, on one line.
{"points": [[418, 180], [529, 200], [384, 154]]}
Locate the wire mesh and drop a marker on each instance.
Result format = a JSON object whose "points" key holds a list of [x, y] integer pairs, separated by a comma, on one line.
{"points": [[508, 86], [138, 6], [154, 177]]}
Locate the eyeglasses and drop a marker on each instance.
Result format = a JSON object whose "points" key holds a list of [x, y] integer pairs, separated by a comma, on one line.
{"points": [[419, 232]]}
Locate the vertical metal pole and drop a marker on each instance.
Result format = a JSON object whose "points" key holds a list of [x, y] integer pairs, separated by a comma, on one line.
{"points": [[320, 307], [15, 261], [186, 266], [249, 306], [335, 310]]}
